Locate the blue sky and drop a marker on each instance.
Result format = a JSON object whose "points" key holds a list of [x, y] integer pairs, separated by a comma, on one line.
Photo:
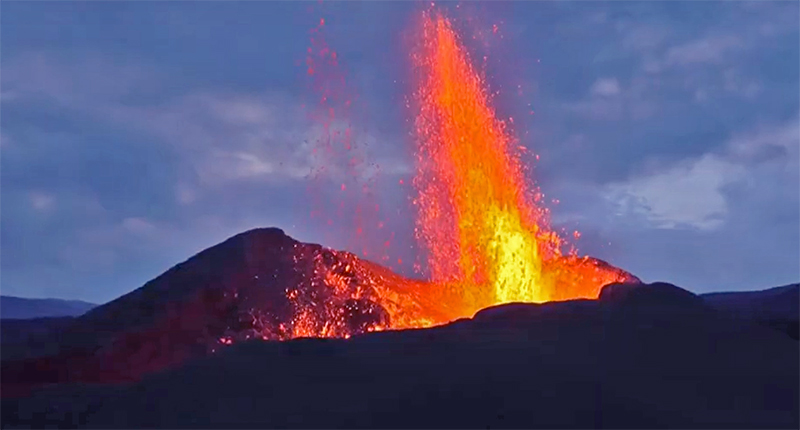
{"points": [[135, 134]]}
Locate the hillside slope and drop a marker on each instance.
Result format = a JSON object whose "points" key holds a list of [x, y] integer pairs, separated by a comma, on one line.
{"points": [[777, 307]]}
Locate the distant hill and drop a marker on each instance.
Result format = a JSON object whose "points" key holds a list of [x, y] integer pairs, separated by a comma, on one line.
{"points": [[777, 307], [22, 308], [773, 303]]}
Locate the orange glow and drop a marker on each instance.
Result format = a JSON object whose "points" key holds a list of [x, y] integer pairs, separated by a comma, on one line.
{"points": [[485, 230], [486, 239]]}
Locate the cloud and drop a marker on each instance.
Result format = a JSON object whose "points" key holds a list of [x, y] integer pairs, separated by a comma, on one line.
{"points": [[607, 100], [171, 172], [685, 195], [734, 82], [740, 222], [45, 76], [707, 50], [706, 60], [692, 193], [151, 152], [5, 140], [673, 103], [42, 202], [767, 143], [185, 194], [222, 137], [139, 226], [605, 87], [642, 38]]}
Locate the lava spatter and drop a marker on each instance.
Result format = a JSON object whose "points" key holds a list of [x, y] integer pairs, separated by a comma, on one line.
{"points": [[488, 241], [342, 178]]}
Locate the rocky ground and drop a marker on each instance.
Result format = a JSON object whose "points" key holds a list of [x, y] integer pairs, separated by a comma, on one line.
{"points": [[644, 356]]}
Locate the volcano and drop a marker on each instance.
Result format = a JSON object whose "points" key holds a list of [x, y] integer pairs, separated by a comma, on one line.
{"points": [[510, 330], [260, 284], [250, 333], [639, 356]]}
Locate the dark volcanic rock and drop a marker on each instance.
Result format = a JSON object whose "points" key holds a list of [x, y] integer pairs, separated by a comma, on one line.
{"points": [[654, 296], [26, 338], [643, 355], [771, 304], [778, 308], [359, 315], [249, 286], [606, 363], [257, 284], [529, 313]]}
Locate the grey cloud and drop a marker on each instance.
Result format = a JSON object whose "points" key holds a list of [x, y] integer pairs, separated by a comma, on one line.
{"points": [[146, 179], [707, 50], [114, 170], [642, 38], [691, 192], [44, 75], [748, 238], [606, 87]]}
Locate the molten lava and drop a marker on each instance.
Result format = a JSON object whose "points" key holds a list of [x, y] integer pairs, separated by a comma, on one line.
{"points": [[473, 217], [486, 239], [486, 232]]}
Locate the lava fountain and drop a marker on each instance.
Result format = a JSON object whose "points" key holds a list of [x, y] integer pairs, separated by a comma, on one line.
{"points": [[488, 241], [485, 229]]}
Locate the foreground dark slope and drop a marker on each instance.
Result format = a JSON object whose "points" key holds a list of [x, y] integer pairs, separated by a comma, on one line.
{"points": [[646, 357], [778, 308]]}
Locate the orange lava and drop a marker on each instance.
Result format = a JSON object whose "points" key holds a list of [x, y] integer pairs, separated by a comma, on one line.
{"points": [[487, 240], [486, 232]]}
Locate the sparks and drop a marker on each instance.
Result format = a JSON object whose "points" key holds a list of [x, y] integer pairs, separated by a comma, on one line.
{"points": [[485, 237]]}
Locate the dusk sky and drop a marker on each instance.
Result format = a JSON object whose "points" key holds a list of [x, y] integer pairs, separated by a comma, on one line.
{"points": [[135, 134]]}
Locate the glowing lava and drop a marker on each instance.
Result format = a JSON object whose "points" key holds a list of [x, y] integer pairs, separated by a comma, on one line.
{"points": [[487, 235], [486, 239]]}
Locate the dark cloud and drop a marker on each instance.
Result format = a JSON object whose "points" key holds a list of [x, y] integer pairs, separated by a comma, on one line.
{"points": [[134, 135]]}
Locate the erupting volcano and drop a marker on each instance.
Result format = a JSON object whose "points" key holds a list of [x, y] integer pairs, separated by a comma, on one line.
{"points": [[486, 232], [506, 326]]}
